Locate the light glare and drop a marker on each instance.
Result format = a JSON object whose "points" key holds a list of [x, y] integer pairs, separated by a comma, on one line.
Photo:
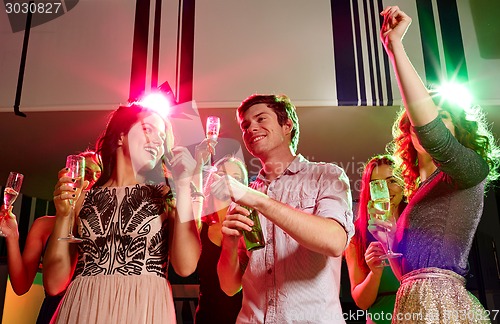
{"points": [[156, 102], [457, 94]]}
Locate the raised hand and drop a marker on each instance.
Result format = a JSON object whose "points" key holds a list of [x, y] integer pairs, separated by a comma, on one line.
{"points": [[203, 151], [64, 192], [394, 27], [182, 165]]}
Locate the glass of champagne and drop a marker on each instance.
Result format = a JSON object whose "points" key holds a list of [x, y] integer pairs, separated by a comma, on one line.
{"points": [[11, 191], [213, 127], [76, 170], [212, 133], [379, 193]]}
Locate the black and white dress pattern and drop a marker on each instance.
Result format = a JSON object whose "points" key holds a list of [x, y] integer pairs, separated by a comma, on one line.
{"points": [[120, 275]]}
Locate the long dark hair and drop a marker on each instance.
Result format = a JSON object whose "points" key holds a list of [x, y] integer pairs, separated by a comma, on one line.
{"points": [[120, 122]]}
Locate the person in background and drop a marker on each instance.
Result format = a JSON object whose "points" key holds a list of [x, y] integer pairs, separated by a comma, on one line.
{"points": [[23, 267], [214, 306], [373, 285], [131, 225], [305, 211], [448, 156]]}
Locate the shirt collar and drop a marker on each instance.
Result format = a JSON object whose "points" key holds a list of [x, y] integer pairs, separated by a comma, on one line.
{"points": [[299, 163]]}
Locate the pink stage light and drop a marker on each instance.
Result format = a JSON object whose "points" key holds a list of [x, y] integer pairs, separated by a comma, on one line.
{"points": [[157, 102]]}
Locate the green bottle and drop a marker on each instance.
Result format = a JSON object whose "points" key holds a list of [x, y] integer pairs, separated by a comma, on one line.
{"points": [[254, 239]]}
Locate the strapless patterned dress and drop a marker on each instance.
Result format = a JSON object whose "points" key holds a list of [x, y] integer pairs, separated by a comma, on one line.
{"points": [[120, 275]]}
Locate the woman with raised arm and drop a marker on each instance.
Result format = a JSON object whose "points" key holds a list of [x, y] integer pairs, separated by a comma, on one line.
{"points": [[131, 224], [373, 284], [448, 157]]}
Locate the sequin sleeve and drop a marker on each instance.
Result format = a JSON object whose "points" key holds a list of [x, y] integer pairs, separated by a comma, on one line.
{"points": [[463, 165]]}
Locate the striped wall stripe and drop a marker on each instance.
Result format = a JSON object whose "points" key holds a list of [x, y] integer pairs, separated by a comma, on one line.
{"points": [[155, 60], [453, 46], [362, 69], [369, 49], [361, 66], [429, 41], [343, 44], [386, 66], [360, 72], [139, 50], [186, 50], [144, 56], [452, 54]]}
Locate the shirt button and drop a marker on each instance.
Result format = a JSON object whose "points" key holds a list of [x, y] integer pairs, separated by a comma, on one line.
{"points": [[269, 271]]}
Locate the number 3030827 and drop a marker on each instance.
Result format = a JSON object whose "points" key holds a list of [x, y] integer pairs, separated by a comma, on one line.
{"points": [[32, 7]]}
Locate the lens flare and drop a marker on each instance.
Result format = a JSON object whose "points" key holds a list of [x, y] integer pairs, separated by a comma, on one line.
{"points": [[457, 94], [157, 102]]}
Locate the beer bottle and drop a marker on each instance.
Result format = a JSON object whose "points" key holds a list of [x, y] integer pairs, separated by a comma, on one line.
{"points": [[254, 239]]}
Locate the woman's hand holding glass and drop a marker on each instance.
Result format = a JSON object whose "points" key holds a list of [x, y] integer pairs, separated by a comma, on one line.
{"points": [[373, 259], [11, 191], [8, 223], [204, 151], [379, 208], [68, 191]]}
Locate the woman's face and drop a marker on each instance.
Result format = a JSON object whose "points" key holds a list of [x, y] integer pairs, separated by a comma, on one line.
{"points": [[384, 172], [92, 171], [231, 169], [145, 142]]}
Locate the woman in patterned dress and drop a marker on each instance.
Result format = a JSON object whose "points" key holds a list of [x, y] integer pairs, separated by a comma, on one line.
{"points": [[132, 225]]}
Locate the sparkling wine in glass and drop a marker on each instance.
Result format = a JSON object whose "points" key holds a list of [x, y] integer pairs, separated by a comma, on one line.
{"points": [[12, 189], [76, 170], [212, 133], [213, 127], [379, 193]]}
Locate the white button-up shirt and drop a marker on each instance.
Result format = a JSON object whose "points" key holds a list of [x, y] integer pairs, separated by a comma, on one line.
{"points": [[286, 282]]}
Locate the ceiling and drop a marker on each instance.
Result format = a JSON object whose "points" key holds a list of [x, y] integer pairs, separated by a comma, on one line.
{"points": [[38, 144]]}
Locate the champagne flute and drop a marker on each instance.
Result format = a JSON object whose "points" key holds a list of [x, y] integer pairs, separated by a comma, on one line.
{"points": [[379, 193], [11, 191], [213, 127], [76, 170], [212, 133]]}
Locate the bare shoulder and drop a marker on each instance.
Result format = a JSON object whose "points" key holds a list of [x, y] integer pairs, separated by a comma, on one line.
{"points": [[43, 225]]}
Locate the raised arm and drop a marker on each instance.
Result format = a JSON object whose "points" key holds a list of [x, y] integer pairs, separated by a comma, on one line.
{"points": [[23, 268], [185, 247], [60, 257], [202, 157], [419, 105]]}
